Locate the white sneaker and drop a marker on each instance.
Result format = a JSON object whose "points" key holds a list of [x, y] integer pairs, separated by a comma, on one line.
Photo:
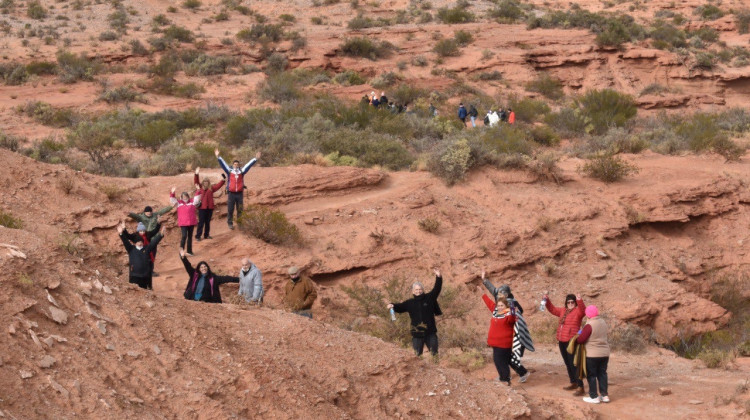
{"points": [[591, 400], [604, 398], [525, 377]]}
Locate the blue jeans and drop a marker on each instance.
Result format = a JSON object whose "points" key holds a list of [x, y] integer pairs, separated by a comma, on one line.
{"points": [[305, 312], [473, 122]]}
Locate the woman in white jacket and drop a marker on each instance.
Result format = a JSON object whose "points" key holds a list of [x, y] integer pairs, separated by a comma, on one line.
{"points": [[251, 282]]}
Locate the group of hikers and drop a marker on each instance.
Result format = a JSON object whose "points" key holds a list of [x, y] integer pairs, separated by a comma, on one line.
{"points": [[492, 118], [585, 351]]}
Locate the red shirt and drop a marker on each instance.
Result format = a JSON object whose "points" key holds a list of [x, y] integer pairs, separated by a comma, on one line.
{"points": [[207, 196], [501, 327]]}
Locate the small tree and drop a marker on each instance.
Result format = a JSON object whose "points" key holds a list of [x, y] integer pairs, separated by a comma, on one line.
{"points": [[606, 108]]}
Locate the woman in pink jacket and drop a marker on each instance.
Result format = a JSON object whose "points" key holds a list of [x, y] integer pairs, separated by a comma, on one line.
{"points": [[186, 217], [568, 326]]}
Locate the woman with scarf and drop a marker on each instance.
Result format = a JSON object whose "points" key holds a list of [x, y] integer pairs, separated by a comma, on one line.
{"points": [[594, 337], [203, 285], [568, 325], [500, 335]]}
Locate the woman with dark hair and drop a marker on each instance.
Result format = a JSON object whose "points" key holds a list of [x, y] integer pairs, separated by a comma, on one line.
{"points": [[500, 335], [186, 216], [569, 324], [203, 285]]}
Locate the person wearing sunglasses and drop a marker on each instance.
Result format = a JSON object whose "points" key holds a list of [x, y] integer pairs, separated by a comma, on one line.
{"points": [[568, 326]]}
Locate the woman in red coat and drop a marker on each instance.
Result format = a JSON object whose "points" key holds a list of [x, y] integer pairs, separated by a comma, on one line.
{"points": [[568, 326], [500, 336]]}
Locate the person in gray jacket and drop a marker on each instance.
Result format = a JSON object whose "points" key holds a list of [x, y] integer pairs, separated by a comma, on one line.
{"points": [[251, 282]]}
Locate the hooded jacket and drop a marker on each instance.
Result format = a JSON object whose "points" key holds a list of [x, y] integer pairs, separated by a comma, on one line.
{"points": [[186, 210], [207, 195], [251, 284], [147, 238], [422, 310], [139, 260], [210, 292]]}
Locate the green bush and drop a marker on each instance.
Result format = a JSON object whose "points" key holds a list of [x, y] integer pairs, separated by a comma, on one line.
{"points": [[279, 88], [188, 90], [547, 86], [349, 78], [99, 140], [192, 4], [10, 142], [154, 133], [463, 38], [385, 80], [708, 12], [121, 94], [705, 34], [270, 226], [45, 114], [366, 48], [206, 65], [608, 168], [35, 10], [452, 163], [568, 122], [72, 68], [261, 32], [179, 33], [606, 108], [429, 225], [41, 68], [277, 62], [667, 37], [108, 36], [506, 11], [616, 140], [161, 20], [447, 48], [118, 20], [407, 94], [456, 14], [362, 22], [544, 135], [742, 21], [10, 221], [47, 150], [618, 31], [704, 60], [489, 75], [14, 74], [369, 149], [529, 110]]}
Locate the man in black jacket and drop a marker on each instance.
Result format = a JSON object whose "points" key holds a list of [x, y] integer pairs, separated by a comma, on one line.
{"points": [[141, 267], [422, 309]]}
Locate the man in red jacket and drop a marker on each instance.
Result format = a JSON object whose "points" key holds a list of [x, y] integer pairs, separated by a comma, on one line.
{"points": [[235, 184], [206, 209]]}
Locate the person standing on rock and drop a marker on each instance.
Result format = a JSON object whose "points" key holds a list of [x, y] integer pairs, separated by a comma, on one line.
{"points": [[186, 217], [235, 184], [206, 209], [203, 285], [521, 336], [140, 265], [150, 219], [594, 337], [422, 308], [299, 293], [251, 282], [500, 335], [568, 326]]}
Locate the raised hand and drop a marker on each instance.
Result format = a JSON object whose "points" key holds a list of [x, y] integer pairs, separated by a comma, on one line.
{"points": [[483, 273], [197, 170], [437, 272], [257, 155], [390, 306], [121, 227], [578, 297], [182, 253], [173, 190], [216, 152]]}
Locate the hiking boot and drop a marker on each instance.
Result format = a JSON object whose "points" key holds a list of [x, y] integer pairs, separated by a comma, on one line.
{"points": [[525, 377], [231, 227], [604, 398], [570, 387], [198, 239], [591, 400], [208, 237], [579, 392]]}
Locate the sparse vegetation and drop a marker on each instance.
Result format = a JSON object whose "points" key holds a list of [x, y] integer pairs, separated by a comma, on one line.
{"points": [[457, 14], [547, 86], [112, 191], [429, 225], [8, 220], [366, 48], [270, 226], [447, 48], [605, 108], [608, 168], [628, 338]]}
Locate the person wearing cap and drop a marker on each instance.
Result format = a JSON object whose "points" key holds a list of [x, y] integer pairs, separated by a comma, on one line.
{"points": [[568, 325], [251, 282], [206, 209], [150, 219], [139, 260], [594, 337], [235, 184], [299, 293], [422, 308], [521, 336], [203, 284]]}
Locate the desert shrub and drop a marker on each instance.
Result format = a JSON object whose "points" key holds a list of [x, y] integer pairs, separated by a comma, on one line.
{"points": [[112, 191], [452, 163], [137, 48], [8, 220], [568, 122], [14, 74], [72, 244], [665, 36], [705, 34], [35, 10], [179, 33], [261, 32], [98, 139], [121, 94], [369, 149], [628, 338], [192, 4], [419, 61], [385, 80], [72, 68], [269, 225], [279, 88], [544, 167], [456, 14], [118, 20], [708, 12], [349, 78], [616, 140], [547, 86], [366, 48], [188, 90], [66, 183], [715, 358], [47, 150], [608, 168], [447, 48], [704, 60], [407, 94], [362, 22], [544, 135], [467, 361], [506, 11], [701, 132], [654, 89], [489, 75], [429, 225], [206, 65], [10, 142], [337, 159], [617, 31], [742, 21], [154, 133], [463, 38], [108, 36], [529, 110], [46, 114], [736, 120], [606, 108], [161, 20], [41, 68], [277, 62]]}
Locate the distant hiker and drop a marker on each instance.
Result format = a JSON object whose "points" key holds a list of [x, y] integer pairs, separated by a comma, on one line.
{"points": [[375, 101], [372, 96], [500, 335], [422, 309], [186, 217], [251, 282], [299, 293], [383, 99], [493, 118], [594, 337], [235, 184], [433, 111], [203, 285], [521, 336], [569, 324], [511, 116], [503, 115], [462, 113], [150, 219], [365, 100], [473, 114], [140, 266], [206, 209], [141, 235]]}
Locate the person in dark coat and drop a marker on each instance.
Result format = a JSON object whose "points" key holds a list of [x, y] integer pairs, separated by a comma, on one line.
{"points": [[203, 285], [139, 259], [146, 237], [422, 309]]}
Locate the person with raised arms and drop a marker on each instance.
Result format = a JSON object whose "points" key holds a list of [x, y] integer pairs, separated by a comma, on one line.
{"points": [[235, 184]]}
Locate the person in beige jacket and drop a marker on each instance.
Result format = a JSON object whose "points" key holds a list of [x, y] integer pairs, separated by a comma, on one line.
{"points": [[594, 337], [299, 293]]}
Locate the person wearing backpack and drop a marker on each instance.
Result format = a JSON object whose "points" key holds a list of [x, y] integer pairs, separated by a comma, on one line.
{"points": [[235, 184], [473, 113], [462, 113]]}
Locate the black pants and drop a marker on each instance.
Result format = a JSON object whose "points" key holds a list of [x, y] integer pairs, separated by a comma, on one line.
{"points": [[431, 340], [515, 363], [233, 200], [187, 235], [596, 371], [204, 221], [501, 357], [568, 359], [142, 282]]}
